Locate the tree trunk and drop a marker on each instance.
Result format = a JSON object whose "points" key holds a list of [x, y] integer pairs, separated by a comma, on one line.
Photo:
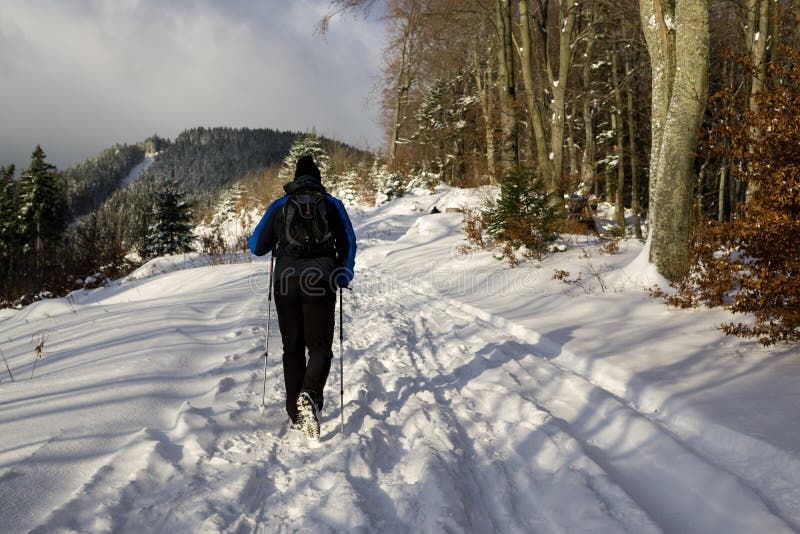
{"points": [[509, 146], [661, 47], [620, 143], [587, 162], [396, 123], [484, 87], [635, 207], [535, 117], [723, 178], [774, 41], [574, 172], [567, 11], [757, 36], [672, 179]]}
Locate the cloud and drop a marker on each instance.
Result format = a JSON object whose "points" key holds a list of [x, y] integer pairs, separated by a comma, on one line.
{"points": [[82, 75]]}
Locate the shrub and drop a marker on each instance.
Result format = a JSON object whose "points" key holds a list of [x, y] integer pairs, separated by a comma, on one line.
{"points": [[524, 216], [388, 184], [752, 263]]}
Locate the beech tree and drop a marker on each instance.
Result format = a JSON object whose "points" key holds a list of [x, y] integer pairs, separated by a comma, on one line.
{"points": [[677, 35]]}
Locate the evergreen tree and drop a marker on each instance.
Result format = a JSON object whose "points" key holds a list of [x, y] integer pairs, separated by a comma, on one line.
{"points": [[7, 212], [524, 215], [228, 203], [171, 229], [8, 220], [308, 144], [389, 184], [346, 188], [43, 206]]}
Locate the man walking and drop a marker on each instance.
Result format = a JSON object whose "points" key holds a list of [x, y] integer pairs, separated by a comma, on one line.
{"points": [[313, 243]]}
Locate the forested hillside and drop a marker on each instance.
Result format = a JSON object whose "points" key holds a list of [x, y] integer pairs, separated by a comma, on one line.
{"points": [[204, 160], [103, 215], [90, 183]]}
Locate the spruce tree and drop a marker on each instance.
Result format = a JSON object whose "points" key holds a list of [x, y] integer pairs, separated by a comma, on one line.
{"points": [[308, 144], [8, 225], [7, 211], [171, 229], [42, 207], [524, 215]]}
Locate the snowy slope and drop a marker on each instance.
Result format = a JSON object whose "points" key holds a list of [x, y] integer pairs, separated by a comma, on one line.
{"points": [[477, 398], [139, 169]]}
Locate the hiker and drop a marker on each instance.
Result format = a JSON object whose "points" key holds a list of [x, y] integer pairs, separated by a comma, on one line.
{"points": [[314, 246]]}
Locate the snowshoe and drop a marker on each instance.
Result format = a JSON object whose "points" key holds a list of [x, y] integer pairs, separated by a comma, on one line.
{"points": [[307, 416]]}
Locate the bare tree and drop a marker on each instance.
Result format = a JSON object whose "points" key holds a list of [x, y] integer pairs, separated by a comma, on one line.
{"points": [[756, 37], [534, 115]]}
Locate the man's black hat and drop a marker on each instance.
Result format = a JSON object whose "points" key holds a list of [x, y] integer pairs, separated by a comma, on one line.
{"points": [[307, 167]]}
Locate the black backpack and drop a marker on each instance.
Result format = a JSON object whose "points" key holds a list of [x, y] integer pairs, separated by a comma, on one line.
{"points": [[306, 229]]}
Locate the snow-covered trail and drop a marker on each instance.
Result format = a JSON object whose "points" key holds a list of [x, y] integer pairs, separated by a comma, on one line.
{"points": [[451, 425], [144, 417]]}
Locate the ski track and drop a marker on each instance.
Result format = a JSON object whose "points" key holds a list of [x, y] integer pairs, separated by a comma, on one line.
{"points": [[453, 424]]}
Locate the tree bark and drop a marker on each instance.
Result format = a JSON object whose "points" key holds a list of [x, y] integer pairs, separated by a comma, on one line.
{"points": [[673, 176], [509, 146], [587, 162], [661, 48], [484, 86], [574, 171], [620, 143], [567, 9], [534, 116], [757, 36], [402, 95], [723, 178], [634, 159]]}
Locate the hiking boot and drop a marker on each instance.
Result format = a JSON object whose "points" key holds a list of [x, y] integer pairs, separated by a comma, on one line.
{"points": [[307, 416], [294, 423]]}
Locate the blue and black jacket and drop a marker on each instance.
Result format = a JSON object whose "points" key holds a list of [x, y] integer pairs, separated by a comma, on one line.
{"points": [[337, 268]]}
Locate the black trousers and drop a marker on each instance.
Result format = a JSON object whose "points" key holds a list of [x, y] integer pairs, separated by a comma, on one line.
{"points": [[306, 316]]}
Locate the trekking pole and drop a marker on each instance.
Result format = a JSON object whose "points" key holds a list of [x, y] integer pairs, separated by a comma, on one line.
{"points": [[341, 356], [263, 406]]}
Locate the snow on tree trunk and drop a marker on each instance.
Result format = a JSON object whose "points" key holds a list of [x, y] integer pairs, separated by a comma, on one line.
{"points": [[686, 86], [589, 109], [661, 47], [567, 10]]}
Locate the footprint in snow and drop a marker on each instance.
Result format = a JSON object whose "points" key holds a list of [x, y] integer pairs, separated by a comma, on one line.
{"points": [[225, 385]]}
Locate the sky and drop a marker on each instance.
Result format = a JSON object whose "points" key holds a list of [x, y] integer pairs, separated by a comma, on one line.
{"points": [[78, 76]]}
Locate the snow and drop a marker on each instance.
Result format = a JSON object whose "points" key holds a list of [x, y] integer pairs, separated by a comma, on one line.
{"points": [[477, 398], [139, 169]]}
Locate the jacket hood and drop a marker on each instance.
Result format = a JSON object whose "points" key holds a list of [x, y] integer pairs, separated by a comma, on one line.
{"points": [[304, 182]]}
